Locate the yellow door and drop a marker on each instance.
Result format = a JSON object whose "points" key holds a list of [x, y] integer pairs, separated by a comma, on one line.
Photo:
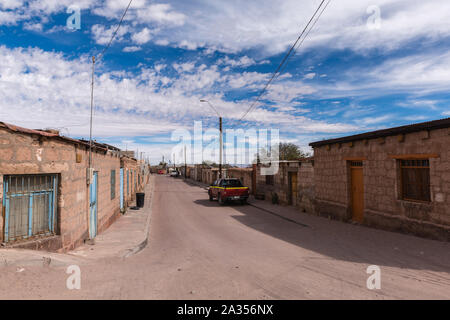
{"points": [[357, 184]]}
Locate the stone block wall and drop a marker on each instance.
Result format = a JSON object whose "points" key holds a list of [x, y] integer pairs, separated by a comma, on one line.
{"points": [[245, 174], [383, 206]]}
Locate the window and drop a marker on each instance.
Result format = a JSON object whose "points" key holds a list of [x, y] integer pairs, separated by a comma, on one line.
{"points": [[30, 205], [415, 179], [113, 184], [269, 180], [231, 183]]}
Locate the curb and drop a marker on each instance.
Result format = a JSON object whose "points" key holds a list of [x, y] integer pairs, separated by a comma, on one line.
{"points": [[144, 243]]}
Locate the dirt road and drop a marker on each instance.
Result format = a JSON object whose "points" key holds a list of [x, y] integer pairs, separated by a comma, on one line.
{"points": [[200, 250]]}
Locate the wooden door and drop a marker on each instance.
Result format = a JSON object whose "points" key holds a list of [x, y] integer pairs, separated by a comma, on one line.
{"points": [[293, 188], [357, 190]]}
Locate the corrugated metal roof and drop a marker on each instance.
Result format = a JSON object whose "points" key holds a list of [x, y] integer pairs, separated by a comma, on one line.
{"points": [[429, 125]]}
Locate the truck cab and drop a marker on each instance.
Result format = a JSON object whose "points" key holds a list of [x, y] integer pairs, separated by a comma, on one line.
{"points": [[228, 189]]}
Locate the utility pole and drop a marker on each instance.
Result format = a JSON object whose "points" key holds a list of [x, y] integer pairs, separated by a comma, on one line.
{"points": [[221, 147], [185, 164], [221, 136], [90, 120]]}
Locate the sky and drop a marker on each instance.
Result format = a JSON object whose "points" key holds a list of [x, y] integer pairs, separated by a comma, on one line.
{"points": [[366, 65]]}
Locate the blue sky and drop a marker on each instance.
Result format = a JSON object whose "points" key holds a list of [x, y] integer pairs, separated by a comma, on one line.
{"points": [[357, 70]]}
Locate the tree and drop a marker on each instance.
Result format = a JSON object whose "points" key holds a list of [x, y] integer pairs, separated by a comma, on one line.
{"points": [[286, 151], [290, 151], [162, 164]]}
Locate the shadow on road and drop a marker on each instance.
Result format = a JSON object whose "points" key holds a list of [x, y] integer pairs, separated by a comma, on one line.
{"points": [[344, 241]]}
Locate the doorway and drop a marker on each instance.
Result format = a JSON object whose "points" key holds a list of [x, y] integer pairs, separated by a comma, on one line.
{"points": [[357, 190], [293, 188]]}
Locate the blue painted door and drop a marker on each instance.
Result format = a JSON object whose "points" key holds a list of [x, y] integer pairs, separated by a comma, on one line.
{"points": [[93, 206], [121, 188]]}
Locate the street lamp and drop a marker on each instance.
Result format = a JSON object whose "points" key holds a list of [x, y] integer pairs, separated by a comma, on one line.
{"points": [[221, 135]]}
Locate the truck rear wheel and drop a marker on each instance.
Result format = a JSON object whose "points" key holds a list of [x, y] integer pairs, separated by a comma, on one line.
{"points": [[221, 202]]}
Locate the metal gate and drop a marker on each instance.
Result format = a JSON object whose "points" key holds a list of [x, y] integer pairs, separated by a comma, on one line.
{"points": [[121, 189], [93, 206], [29, 205]]}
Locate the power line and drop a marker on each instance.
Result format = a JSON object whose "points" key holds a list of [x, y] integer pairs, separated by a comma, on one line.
{"points": [[307, 33], [92, 80], [115, 32], [282, 63]]}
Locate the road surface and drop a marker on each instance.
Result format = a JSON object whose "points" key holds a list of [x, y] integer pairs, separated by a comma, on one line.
{"points": [[200, 250]]}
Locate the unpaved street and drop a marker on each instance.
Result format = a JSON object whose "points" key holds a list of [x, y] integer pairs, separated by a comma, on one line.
{"points": [[200, 250]]}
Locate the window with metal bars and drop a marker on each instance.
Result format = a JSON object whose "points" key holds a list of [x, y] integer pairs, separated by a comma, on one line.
{"points": [[415, 179], [270, 180], [30, 205], [357, 163]]}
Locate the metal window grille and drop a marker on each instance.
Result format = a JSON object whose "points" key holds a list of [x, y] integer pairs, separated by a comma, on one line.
{"points": [[270, 180], [30, 205], [415, 179], [358, 163]]}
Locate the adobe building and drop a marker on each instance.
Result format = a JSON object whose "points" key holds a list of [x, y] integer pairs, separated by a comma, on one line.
{"points": [[396, 179], [246, 175], [292, 184], [50, 200]]}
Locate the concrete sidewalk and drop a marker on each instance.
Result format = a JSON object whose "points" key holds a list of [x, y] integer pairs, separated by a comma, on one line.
{"points": [[125, 237]]}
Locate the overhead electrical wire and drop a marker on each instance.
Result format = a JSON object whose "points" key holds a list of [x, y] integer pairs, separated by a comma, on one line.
{"points": [[102, 53], [115, 32], [283, 63]]}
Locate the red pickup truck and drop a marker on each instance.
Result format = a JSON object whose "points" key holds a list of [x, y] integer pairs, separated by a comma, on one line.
{"points": [[228, 189]]}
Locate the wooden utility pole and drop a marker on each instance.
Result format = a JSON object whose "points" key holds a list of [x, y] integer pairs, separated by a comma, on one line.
{"points": [[221, 147], [185, 164]]}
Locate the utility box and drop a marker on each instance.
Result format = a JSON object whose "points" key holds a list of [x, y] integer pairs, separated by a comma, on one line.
{"points": [[89, 175]]}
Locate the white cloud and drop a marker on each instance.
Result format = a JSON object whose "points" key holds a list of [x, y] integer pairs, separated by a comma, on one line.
{"points": [[103, 36], [54, 92], [11, 4], [131, 49], [162, 42], [161, 13], [309, 76], [243, 62], [33, 26], [142, 37], [374, 120], [184, 67], [232, 26]]}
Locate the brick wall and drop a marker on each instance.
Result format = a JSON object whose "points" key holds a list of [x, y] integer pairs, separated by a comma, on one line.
{"points": [[280, 181], [383, 206], [34, 154], [306, 192]]}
